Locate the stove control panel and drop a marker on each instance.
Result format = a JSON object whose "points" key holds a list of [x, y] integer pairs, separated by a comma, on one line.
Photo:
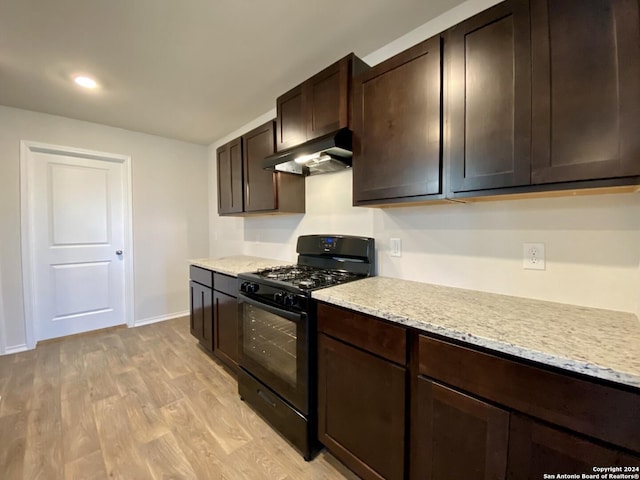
{"points": [[328, 244], [290, 299]]}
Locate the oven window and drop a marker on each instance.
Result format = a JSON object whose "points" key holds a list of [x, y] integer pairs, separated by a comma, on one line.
{"points": [[271, 341]]}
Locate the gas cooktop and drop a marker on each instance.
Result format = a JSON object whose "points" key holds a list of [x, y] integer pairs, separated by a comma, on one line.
{"points": [[306, 277]]}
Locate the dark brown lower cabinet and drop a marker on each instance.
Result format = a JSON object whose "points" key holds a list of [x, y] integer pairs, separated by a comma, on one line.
{"points": [[536, 449], [465, 413], [202, 314], [454, 435], [226, 328], [361, 409], [225, 319]]}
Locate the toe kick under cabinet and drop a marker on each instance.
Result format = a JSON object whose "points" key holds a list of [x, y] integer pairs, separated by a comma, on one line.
{"points": [[397, 403]]}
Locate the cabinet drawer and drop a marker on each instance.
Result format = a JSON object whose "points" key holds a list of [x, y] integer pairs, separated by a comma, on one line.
{"points": [[600, 411], [281, 415], [225, 284], [201, 275], [375, 336]]}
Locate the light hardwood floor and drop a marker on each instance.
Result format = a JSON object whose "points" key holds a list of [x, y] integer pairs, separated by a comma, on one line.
{"points": [[140, 403]]}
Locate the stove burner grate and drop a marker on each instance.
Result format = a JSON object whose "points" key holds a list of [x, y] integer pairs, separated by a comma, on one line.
{"points": [[305, 277]]}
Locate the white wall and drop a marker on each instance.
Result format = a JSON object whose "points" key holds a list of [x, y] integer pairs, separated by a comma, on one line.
{"points": [[592, 247], [170, 209], [3, 334], [592, 243]]}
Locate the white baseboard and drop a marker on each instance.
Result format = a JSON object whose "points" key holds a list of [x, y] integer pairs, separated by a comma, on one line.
{"points": [[16, 349], [161, 318]]}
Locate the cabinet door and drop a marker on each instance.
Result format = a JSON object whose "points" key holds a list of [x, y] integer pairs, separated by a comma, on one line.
{"points": [[226, 328], [260, 186], [396, 123], [536, 449], [488, 114], [230, 177], [326, 97], [202, 314], [361, 412], [456, 436], [586, 87], [291, 119]]}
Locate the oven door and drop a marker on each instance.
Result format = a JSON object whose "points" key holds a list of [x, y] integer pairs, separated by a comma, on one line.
{"points": [[274, 349]]}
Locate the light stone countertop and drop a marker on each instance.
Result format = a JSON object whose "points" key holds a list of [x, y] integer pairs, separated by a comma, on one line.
{"points": [[236, 264], [599, 343]]}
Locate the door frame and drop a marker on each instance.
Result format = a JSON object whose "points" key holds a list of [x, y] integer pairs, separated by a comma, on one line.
{"points": [[27, 201]]}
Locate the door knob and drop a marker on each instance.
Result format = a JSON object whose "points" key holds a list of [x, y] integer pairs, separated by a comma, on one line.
{"points": [[118, 252]]}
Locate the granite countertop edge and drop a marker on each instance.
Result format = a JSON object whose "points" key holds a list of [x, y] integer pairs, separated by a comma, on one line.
{"points": [[236, 264]]}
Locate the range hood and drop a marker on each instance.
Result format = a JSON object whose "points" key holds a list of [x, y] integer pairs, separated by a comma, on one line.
{"points": [[328, 153]]}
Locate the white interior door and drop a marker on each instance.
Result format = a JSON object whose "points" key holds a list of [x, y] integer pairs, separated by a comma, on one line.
{"points": [[77, 236]]}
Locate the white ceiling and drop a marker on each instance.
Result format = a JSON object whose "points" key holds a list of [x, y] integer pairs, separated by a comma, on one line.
{"points": [[194, 70]]}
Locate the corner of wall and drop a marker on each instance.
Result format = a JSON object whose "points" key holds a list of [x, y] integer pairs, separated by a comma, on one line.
{"points": [[429, 29]]}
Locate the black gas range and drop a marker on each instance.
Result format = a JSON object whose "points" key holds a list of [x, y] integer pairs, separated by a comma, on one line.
{"points": [[278, 344]]}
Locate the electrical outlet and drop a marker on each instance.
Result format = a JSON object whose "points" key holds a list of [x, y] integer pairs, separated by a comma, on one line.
{"points": [[533, 256], [395, 245]]}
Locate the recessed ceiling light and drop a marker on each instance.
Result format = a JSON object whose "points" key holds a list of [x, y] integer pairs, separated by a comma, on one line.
{"points": [[86, 82]]}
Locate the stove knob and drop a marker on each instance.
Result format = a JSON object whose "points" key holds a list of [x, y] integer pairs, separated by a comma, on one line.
{"points": [[249, 287], [289, 300], [279, 297]]}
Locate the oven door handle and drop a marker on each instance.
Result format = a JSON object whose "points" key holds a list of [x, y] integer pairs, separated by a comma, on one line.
{"points": [[294, 317]]}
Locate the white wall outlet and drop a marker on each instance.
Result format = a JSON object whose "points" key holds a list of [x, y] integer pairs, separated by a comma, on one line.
{"points": [[395, 245], [533, 256]]}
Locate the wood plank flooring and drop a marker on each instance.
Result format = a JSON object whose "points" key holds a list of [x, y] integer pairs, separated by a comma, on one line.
{"points": [[139, 403]]}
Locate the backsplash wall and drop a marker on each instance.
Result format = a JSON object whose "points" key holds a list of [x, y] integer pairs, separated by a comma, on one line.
{"points": [[592, 242], [592, 247]]}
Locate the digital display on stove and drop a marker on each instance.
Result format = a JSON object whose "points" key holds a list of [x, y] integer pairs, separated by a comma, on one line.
{"points": [[328, 243]]}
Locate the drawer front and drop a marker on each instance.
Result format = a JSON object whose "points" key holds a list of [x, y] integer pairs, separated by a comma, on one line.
{"points": [[225, 284], [600, 411], [201, 275], [375, 336], [277, 412]]}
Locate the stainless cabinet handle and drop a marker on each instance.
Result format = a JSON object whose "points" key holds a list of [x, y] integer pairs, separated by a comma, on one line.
{"points": [[118, 252]]}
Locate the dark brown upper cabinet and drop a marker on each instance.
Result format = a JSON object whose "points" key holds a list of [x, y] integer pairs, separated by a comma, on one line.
{"points": [[317, 106], [543, 95], [586, 89], [291, 122], [397, 128], [264, 190], [230, 184], [488, 114], [259, 184], [245, 188]]}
